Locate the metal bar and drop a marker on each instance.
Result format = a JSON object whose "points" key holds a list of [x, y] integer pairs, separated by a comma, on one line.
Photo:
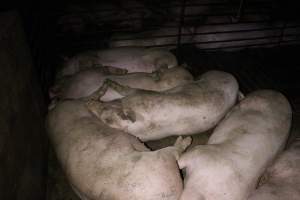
{"points": [[241, 46], [241, 10], [244, 22], [181, 22], [237, 31], [282, 32], [254, 3], [203, 33], [235, 40], [156, 27], [80, 46], [225, 14], [287, 41]]}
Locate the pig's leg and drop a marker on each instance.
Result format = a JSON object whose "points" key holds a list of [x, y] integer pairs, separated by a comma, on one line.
{"points": [[115, 70], [121, 89], [179, 147], [182, 143], [110, 70], [186, 159], [96, 107], [113, 115], [98, 93]]}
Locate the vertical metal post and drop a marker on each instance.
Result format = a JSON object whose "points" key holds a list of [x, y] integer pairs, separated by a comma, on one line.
{"points": [[239, 12], [282, 32], [180, 25]]}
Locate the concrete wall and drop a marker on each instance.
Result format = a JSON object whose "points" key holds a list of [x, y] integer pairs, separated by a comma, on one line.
{"points": [[22, 135]]}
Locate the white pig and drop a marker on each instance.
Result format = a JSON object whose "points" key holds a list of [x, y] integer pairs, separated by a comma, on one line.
{"points": [[84, 83], [132, 59], [188, 109], [102, 163], [239, 150], [282, 179]]}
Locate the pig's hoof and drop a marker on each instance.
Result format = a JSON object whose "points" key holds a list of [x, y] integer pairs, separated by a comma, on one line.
{"points": [[183, 143]]}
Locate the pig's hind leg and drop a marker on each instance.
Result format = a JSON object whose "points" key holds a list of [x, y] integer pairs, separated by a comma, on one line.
{"points": [[179, 146], [96, 96], [110, 70]]}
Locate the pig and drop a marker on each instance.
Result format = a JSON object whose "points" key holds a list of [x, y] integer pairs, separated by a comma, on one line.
{"points": [[131, 59], [102, 163], [184, 110], [84, 83], [240, 148], [282, 179]]}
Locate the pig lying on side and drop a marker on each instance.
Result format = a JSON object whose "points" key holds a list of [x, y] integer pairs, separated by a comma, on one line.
{"points": [[132, 59], [188, 109], [239, 150], [282, 178], [84, 83], [102, 163]]}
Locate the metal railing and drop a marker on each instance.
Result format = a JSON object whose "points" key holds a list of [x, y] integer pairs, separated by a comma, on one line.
{"points": [[232, 15]]}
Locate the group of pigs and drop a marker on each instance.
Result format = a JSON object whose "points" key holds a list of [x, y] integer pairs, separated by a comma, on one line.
{"points": [[107, 103]]}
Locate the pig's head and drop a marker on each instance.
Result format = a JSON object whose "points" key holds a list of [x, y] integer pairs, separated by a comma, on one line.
{"points": [[160, 58]]}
